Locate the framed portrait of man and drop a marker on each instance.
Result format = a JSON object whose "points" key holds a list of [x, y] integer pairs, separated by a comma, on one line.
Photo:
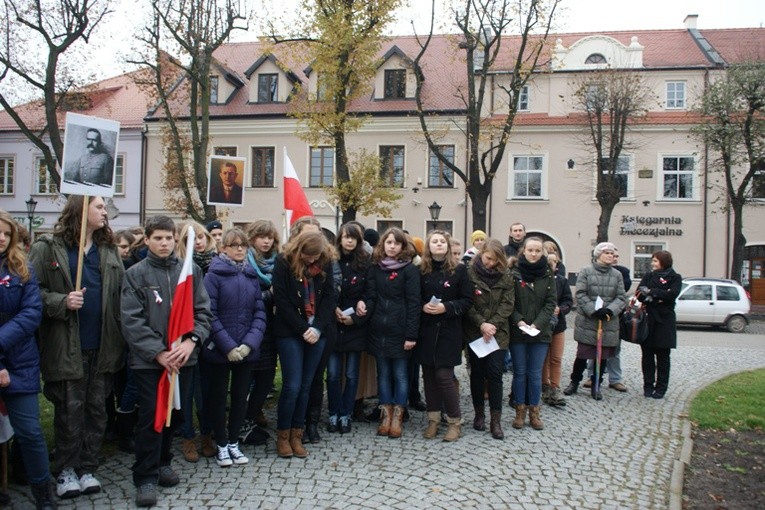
{"points": [[225, 181], [90, 148]]}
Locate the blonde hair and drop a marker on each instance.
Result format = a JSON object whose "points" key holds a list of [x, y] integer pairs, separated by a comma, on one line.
{"points": [[300, 223], [180, 232], [15, 258], [495, 247]]}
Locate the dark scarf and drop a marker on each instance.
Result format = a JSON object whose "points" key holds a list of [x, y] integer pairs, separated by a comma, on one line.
{"points": [[663, 273], [309, 290], [488, 276], [530, 272], [203, 259], [389, 264]]}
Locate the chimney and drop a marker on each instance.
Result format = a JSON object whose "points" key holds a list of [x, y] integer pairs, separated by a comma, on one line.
{"points": [[690, 21]]}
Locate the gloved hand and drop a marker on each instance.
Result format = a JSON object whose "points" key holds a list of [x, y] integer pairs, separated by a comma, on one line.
{"points": [[644, 290], [244, 350], [602, 314], [234, 355], [607, 314]]}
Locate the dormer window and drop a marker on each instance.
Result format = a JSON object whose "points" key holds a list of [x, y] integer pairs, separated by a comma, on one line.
{"points": [[596, 58], [395, 84], [268, 88]]}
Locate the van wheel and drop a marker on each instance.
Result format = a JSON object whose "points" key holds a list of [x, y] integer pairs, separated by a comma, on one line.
{"points": [[736, 324]]}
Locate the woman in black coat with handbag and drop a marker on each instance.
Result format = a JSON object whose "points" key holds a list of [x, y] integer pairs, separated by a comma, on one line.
{"points": [[658, 291], [446, 295]]}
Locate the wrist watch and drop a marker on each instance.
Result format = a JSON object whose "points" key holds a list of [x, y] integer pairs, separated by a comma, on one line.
{"points": [[194, 338]]}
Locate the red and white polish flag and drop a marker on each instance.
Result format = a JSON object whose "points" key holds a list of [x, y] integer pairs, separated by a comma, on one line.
{"points": [[295, 202]]}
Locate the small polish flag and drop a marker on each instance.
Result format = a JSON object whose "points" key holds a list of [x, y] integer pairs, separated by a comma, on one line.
{"points": [[295, 202]]}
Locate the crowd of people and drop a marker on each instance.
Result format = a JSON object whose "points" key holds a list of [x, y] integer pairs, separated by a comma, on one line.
{"points": [[365, 312]]}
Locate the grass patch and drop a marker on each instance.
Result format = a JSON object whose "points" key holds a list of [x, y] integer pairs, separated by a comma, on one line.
{"points": [[735, 402]]}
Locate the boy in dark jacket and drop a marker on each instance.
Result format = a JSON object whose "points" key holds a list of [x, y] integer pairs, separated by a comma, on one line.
{"points": [[147, 295]]}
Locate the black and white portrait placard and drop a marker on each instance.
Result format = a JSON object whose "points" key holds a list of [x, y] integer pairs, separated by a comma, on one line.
{"points": [[90, 153]]}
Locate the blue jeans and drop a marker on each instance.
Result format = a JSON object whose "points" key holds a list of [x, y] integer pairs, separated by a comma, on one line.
{"points": [[24, 414], [340, 400], [190, 395], [528, 359], [392, 380], [612, 366], [299, 361]]}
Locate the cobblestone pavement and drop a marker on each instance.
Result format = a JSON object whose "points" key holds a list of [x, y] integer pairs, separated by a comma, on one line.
{"points": [[613, 454]]}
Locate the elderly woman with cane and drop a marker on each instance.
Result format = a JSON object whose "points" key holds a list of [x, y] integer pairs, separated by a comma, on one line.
{"points": [[600, 297]]}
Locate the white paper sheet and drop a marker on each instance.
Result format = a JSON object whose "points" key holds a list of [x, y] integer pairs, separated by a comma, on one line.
{"points": [[348, 311], [599, 303], [434, 300], [482, 348], [529, 330]]}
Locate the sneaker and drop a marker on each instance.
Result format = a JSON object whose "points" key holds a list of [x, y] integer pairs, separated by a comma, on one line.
{"points": [[223, 458], [146, 495], [168, 477], [236, 455], [345, 424], [89, 484], [332, 424], [587, 383], [67, 484]]}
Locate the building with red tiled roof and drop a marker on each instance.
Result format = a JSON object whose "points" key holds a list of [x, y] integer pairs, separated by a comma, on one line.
{"points": [[22, 168]]}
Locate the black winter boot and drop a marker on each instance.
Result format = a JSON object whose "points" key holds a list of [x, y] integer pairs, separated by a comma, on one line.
{"points": [[312, 426], [43, 494]]}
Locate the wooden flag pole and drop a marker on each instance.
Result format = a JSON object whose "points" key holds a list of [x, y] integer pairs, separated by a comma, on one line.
{"points": [[81, 251], [171, 397]]}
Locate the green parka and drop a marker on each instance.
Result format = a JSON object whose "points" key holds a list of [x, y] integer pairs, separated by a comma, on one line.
{"points": [[534, 304], [59, 333], [490, 304]]}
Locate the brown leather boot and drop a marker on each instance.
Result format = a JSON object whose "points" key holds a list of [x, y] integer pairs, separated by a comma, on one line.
{"points": [[395, 423], [434, 419], [189, 449], [495, 426], [534, 419], [296, 443], [386, 415], [283, 448], [208, 448], [479, 422], [520, 416], [454, 429]]}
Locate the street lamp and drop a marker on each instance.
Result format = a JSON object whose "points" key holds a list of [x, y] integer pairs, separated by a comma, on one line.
{"points": [[31, 206], [435, 212]]}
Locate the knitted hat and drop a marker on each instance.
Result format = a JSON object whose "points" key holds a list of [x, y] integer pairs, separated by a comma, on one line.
{"points": [[600, 248], [213, 225], [477, 234]]}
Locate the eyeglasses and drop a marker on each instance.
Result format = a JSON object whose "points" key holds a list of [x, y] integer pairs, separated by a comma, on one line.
{"points": [[236, 246]]}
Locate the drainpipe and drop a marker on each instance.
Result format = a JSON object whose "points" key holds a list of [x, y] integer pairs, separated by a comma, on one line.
{"points": [[706, 193], [144, 159]]}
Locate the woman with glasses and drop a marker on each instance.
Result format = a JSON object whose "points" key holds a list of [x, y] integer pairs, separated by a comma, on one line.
{"points": [[239, 322]]}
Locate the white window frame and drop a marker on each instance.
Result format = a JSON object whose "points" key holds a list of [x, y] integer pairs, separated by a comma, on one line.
{"points": [[676, 95], [523, 99], [542, 172], [214, 89], [629, 171], [50, 187], [7, 174], [634, 255], [444, 168], [119, 175], [679, 173]]}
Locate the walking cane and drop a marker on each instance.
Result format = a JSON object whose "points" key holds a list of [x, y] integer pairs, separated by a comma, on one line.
{"points": [[598, 354]]}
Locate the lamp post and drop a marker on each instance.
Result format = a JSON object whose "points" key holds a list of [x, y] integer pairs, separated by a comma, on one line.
{"points": [[31, 206], [435, 212]]}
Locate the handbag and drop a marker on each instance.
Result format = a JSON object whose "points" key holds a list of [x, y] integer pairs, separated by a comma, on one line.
{"points": [[633, 323]]}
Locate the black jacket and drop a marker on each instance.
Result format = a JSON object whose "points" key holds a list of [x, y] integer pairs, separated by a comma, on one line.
{"points": [[440, 343], [565, 301], [393, 299], [290, 318], [353, 288], [662, 323]]}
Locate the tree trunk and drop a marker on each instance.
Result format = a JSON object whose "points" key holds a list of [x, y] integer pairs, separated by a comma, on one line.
{"points": [[479, 196], [604, 221], [739, 241]]}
